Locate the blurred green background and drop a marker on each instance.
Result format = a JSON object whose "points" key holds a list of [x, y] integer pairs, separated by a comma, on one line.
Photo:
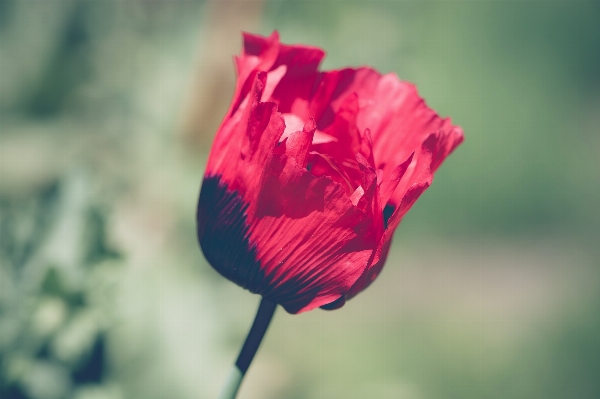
{"points": [[107, 112]]}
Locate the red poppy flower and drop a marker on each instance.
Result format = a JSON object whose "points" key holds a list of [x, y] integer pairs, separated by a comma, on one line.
{"points": [[311, 172]]}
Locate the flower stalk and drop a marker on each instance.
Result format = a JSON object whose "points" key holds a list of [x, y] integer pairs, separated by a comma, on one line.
{"points": [[265, 312]]}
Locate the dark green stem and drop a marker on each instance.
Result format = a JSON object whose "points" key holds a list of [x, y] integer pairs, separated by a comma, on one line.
{"points": [[265, 312]]}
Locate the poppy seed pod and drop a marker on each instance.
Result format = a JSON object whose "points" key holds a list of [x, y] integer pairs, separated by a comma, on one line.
{"points": [[311, 172]]}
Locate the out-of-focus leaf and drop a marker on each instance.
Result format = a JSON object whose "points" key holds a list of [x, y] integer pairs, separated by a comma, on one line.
{"points": [[52, 334]]}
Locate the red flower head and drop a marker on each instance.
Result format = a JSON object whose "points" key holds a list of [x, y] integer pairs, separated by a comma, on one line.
{"points": [[311, 172]]}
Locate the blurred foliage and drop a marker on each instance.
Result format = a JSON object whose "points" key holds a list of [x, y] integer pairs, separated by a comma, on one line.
{"points": [[53, 306], [522, 80], [490, 291]]}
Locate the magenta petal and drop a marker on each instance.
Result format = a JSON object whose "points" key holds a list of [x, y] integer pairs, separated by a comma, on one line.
{"points": [[307, 243], [311, 172], [299, 143], [389, 185]]}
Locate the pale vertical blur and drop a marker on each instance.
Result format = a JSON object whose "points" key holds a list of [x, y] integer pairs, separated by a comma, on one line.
{"points": [[213, 82], [107, 112]]}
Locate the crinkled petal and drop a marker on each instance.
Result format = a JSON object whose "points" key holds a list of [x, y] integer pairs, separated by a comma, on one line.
{"points": [[389, 185], [311, 242], [298, 145], [311, 173]]}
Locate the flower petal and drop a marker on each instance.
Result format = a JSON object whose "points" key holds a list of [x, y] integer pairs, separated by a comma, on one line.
{"points": [[311, 172], [389, 185], [298, 144], [308, 244]]}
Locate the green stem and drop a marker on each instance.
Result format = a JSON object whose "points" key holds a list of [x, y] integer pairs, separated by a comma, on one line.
{"points": [[234, 380], [265, 312]]}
